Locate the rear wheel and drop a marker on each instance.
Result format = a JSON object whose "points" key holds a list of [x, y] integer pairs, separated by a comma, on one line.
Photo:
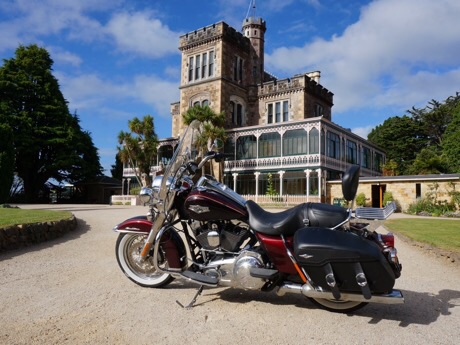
{"points": [[128, 250], [338, 306]]}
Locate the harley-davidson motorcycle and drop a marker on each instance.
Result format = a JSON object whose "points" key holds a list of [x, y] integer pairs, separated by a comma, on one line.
{"points": [[200, 230]]}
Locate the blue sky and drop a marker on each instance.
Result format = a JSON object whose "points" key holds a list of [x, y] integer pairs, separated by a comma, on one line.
{"points": [[116, 59]]}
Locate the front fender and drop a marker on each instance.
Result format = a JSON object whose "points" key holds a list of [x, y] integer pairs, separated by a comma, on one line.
{"points": [[135, 225], [171, 242]]}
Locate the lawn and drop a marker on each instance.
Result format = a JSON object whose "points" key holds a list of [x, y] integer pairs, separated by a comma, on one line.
{"points": [[12, 216], [440, 233]]}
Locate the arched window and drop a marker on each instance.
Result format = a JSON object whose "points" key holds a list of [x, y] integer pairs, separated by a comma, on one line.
{"points": [[313, 143], [165, 154], [333, 145], [239, 114], [246, 147], [295, 142], [237, 111], [201, 99], [352, 156], [269, 145]]}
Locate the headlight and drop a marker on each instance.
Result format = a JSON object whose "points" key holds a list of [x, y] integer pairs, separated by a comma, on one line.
{"points": [[145, 194]]}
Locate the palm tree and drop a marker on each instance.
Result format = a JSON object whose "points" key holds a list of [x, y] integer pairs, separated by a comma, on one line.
{"points": [[139, 148], [212, 129]]}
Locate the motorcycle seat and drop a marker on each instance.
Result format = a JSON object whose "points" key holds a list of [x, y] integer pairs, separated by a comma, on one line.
{"points": [[289, 221], [275, 223]]}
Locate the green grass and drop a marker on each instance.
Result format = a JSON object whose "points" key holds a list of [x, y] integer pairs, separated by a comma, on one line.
{"points": [[440, 233], [13, 216]]}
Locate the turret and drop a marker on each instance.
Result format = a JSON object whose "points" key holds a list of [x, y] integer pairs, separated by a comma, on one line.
{"points": [[254, 28]]}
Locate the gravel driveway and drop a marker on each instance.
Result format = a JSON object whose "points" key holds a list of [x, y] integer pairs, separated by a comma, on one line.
{"points": [[71, 291]]}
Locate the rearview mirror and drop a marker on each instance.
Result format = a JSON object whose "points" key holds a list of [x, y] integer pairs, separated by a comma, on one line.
{"points": [[350, 182], [218, 144]]}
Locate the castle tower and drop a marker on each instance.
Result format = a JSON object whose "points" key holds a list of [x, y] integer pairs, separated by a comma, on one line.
{"points": [[254, 28]]}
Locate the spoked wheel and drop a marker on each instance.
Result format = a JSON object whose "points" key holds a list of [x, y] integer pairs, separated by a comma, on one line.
{"points": [[128, 249], [338, 306]]}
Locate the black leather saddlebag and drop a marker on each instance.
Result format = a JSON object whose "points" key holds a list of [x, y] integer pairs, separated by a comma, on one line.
{"points": [[344, 261]]}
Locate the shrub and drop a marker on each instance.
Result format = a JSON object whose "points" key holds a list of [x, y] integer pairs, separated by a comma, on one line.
{"points": [[361, 199], [428, 206], [387, 197], [135, 191]]}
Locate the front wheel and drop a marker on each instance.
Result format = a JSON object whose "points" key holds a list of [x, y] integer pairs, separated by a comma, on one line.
{"points": [[128, 250], [338, 306]]}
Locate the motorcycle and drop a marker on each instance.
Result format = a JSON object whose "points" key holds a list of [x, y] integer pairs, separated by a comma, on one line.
{"points": [[200, 230]]}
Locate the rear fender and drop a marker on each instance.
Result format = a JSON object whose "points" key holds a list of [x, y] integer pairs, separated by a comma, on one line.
{"points": [[135, 225]]}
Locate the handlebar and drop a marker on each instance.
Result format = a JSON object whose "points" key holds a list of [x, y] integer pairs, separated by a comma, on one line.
{"points": [[217, 156]]}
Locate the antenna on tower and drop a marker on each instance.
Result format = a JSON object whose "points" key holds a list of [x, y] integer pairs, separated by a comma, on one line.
{"points": [[251, 9]]}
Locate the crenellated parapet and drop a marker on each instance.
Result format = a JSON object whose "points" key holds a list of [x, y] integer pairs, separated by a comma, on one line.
{"points": [[212, 33], [297, 83]]}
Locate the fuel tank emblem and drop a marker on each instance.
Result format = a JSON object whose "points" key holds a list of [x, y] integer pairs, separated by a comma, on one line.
{"points": [[306, 256], [198, 209]]}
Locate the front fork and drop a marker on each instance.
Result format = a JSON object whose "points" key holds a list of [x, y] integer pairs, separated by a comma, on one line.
{"points": [[171, 244], [156, 226]]}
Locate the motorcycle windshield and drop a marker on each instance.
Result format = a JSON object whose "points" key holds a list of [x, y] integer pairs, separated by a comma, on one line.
{"points": [[186, 151]]}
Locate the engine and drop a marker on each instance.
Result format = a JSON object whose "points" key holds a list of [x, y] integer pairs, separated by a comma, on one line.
{"points": [[220, 235], [236, 271], [228, 263]]}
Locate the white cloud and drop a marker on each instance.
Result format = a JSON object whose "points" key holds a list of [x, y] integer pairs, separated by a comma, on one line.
{"points": [[60, 55], [134, 33], [362, 131], [388, 55], [157, 92], [143, 34], [90, 91]]}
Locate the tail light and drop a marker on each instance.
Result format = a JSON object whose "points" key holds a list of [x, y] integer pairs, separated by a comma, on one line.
{"points": [[388, 240], [388, 243]]}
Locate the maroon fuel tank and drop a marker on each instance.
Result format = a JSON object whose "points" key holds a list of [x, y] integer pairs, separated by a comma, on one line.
{"points": [[205, 205]]}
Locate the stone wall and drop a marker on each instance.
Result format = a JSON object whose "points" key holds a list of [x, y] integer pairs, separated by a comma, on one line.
{"points": [[404, 192], [24, 235]]}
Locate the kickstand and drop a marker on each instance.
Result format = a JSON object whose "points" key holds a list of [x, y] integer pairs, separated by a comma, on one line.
{"points": [[190, 305]]}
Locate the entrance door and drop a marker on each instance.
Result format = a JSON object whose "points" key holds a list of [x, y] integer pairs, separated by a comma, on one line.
{"points": [[377, 195]]}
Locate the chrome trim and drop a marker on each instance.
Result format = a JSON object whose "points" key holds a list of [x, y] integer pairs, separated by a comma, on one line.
{"points": [[175, 272], [350, 214], [394, 297], [131, 231], [294, 261]]}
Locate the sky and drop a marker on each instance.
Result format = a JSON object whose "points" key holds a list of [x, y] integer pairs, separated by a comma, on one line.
{"points": [[117, 59]]}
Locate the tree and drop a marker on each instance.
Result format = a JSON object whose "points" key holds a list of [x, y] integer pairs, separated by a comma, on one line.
{"points": [[451, 142], [117, 168], [213, 128], [6, 162], [139, 148], [428, 161], [271, 190], [435, 118], [390, 168], [402, 138], [49, 142]]}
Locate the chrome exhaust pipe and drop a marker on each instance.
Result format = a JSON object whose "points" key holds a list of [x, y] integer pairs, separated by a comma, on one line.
{"points": [[394, 297]]}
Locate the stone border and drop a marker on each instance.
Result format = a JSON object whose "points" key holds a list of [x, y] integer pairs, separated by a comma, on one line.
{"points": [[24, 235]]}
